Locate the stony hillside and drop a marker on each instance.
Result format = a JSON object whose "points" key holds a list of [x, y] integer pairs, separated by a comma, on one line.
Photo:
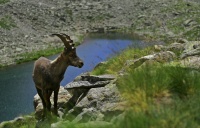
{"points": [[26, 24]]}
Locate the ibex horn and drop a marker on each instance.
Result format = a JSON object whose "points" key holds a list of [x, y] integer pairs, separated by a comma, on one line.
{"points": [[69, 39], [68, 43]]}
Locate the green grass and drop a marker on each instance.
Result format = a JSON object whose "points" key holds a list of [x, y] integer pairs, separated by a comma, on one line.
{"points": [[25, 57], [182, 114], [4, 1], [116, 63], [27, 122], [162, 97], [7, 22], [155, 80]]}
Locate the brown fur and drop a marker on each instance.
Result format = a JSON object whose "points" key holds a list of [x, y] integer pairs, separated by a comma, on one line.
{"points": [[48, 74]]}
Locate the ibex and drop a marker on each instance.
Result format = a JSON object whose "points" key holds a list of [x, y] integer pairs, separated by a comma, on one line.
{"points": [[48, 74]]}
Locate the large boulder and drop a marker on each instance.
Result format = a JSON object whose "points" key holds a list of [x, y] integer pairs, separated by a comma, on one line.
{"points": [[99, 102], [191, 62]]}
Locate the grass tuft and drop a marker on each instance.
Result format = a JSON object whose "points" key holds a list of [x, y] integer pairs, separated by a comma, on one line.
{"points": [[7, 22], [4, 1], [161, 96]]}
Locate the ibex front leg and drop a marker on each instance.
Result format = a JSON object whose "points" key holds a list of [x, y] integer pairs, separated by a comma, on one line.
{"points": [[56, 101]]}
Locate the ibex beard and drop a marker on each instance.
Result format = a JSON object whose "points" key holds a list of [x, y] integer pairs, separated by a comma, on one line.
{"points": [[48, 74]]}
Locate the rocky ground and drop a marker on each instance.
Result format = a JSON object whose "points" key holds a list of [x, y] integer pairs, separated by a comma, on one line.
{"points": [[26, 24]]}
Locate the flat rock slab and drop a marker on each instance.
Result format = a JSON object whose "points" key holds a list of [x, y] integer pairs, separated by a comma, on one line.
{"points": [[90, 81], [86, 84], [93, 78]]}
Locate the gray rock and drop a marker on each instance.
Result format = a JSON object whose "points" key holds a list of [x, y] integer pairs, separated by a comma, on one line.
{"points": [[161, 57], [159, 47], [86, 84], [190, 53], [19, 49], [175, 47], [92, 78], [95, 103], [90, 81], [182, 41], [172, 47], [191, 62], [188, 22], [82, 91], [191, 49], [88, 114]]}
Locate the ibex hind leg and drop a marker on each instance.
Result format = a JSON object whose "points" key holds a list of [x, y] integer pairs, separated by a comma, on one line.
{"points": [[43, 101], [47, 95], [41, 97]]}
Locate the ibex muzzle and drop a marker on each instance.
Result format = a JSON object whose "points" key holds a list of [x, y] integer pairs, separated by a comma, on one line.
{"points": [[48, 74]]}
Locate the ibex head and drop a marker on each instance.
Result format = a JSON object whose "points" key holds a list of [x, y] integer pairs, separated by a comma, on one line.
{"points": [[70, 51]]}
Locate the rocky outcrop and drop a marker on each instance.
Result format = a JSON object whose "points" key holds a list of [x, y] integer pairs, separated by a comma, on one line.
{"points": [[191, 49], [160, 57], [192, 62], [190, 57], [88, 98], [186, 53], [172, 47]]}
